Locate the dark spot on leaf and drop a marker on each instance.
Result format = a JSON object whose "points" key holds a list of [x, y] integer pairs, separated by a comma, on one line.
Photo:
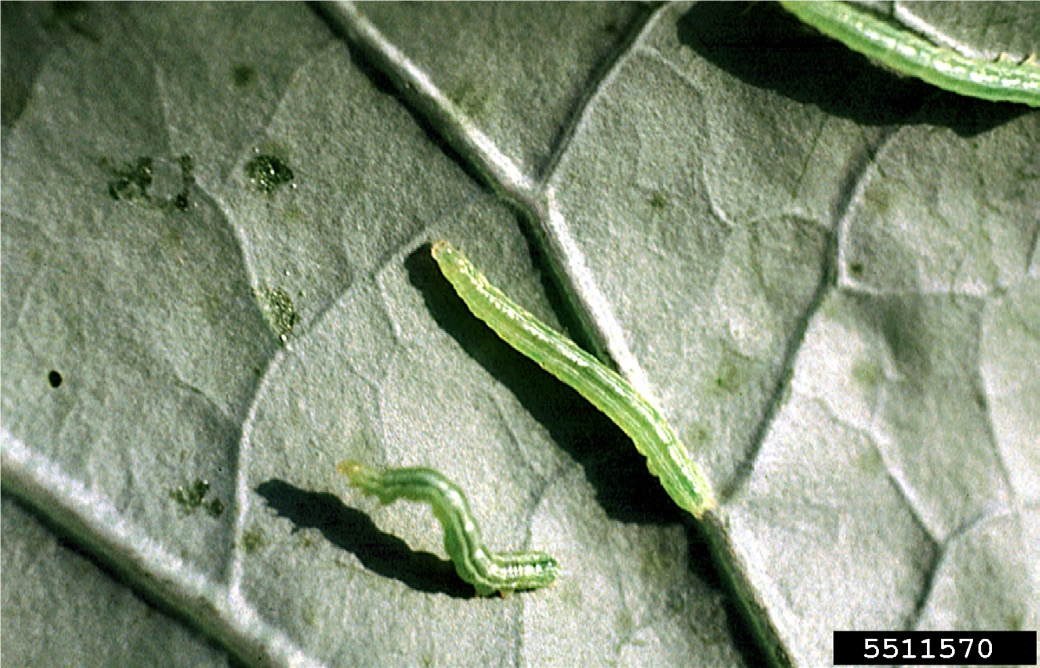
{"points": [[180, 200], [1014, 621], [471, 98], [193, 496], [856, 268], [268, 172], [150, 183], [867, 373], [870, 461], [54, 378], [658, 201], [243, 75], [214, 507], [131, 181], [253, 539], [278, 310], [187, 164], [980, 399], [732, 372]]}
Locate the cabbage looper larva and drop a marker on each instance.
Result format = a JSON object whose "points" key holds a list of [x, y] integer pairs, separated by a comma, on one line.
{"points": [[666, 456], [487, 571], [999, 80]]}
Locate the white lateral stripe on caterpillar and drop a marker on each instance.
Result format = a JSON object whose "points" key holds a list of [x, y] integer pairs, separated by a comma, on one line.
{"points": [[487, 571], [666, 456], [1000, 80]]}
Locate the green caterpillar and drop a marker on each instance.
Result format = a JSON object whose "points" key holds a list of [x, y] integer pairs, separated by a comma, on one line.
{"points": [[906, 52], [666, 456], [487, 571]]}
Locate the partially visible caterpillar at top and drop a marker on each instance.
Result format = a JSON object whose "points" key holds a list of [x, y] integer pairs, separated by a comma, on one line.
{"points": [[487, 571], [862, 30], [666, 456]]}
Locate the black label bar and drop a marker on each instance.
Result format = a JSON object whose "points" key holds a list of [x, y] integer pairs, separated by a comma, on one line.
{"points": [[885, 648]]}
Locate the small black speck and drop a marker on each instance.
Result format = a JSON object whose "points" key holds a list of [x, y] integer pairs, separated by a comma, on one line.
{"points": [[54, 378], [856, 268]]}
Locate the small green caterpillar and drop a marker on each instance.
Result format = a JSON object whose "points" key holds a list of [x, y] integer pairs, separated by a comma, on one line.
{"points": [[859, 29], [666, 456], [487, 571]]}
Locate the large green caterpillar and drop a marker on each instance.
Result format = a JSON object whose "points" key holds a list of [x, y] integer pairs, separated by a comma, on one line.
{"points": [[487, 571], [1000, 80], [666, 456]]}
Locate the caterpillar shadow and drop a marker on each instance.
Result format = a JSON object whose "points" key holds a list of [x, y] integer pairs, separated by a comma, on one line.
{"points": [[353, 531], [765, 46]]}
